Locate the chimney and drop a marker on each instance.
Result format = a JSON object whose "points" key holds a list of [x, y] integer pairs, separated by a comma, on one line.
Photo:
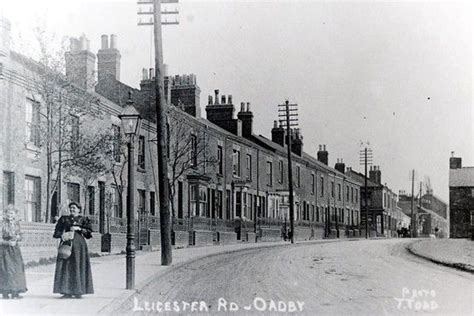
{"points": [[375, 175], [108, 60], [278, 134], [340, 166], [5, 38], [247, 119], [223, 115], [297, 143], [80, 64], [455, 162], [185, 94], [323, 155]]}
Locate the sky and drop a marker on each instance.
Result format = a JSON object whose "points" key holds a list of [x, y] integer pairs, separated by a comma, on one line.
{"points": [[395, 74]]}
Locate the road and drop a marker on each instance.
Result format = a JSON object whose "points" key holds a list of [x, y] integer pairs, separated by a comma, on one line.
{"points": [[375, 277]]}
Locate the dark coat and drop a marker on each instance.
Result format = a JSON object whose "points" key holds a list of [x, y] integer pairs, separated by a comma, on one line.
{"points": [[73, 275]]}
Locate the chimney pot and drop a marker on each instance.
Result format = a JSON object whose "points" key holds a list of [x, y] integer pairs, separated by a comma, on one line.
{"points": [[113, 41], [209, 100], [152, 73], [320, 147], [216, 100], [229, 98], [105, 41], [144, 74], [165, 70], [223, 99], [248, 106], [275, 124], [242, 107]]}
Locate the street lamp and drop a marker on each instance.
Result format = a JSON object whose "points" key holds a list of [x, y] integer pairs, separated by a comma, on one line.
{"points": [[130, 123]]}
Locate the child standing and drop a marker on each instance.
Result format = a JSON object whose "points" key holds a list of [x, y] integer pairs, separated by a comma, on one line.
{"points": [[12, 269]]}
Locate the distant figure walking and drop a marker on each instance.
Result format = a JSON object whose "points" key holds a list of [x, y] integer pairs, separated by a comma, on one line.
{"points": [[12, 269], [73, 276]]}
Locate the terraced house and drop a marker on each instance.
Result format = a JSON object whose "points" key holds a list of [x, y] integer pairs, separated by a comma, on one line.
{"points": [[227, 183]]}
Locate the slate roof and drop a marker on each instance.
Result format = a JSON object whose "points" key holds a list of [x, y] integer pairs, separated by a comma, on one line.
{"points": [[462, 177]]}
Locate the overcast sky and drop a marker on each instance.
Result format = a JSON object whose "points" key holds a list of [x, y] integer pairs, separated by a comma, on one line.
{"points": [[398, 74]]}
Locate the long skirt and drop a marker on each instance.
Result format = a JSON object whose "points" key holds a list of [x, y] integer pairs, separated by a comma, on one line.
{"points": [[73, 275], [12, 270]]}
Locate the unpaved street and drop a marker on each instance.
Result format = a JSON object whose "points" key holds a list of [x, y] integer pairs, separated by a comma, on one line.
{"points": [[374, 277]]}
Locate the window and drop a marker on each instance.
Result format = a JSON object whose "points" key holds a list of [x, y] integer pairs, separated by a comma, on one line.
{"points": [[347, 193], [280, 170], [32, 119], [91, 199], [8, 188], [313, 184], [269, 173], [141, 152], [193, 151], [227, 204], [116, 142], [322, 186], [352, 195], [238, 204], [339, 194], [317, 213], [73, 192], [313, 215], [32, 199], [332, 189], [115, 197], [219, 159], [236, 163], [152, 203], [249, 167], [74, 132], [298, 176], [141, 202], [357, 195], [202, 201], [219, 204]]}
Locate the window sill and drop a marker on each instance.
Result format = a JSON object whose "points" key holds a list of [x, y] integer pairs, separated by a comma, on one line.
{"points": [[142, 170]]}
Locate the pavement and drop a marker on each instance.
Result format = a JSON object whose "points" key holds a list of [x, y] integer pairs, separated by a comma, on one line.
{"points": [[109, 281], [454, 253]]}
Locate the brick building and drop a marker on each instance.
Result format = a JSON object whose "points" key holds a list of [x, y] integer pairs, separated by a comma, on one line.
{"points": [[239, 195], [461, 199], [426, 215], [382, 204]]}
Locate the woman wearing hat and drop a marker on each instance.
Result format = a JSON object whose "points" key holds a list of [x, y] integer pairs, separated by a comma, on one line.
{"points": [[73, 276], [12, 270]]}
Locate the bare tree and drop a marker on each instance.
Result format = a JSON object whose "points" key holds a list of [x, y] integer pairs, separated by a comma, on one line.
{"points": [[60, 113], [189, 151]]}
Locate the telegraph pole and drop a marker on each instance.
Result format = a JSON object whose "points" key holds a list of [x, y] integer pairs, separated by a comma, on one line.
{"points": [[412, 202], [163, 183], [284, 112], [366, 159]]}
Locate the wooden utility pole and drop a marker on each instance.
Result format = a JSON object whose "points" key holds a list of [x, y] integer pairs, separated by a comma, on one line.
{"points": [[290, 122], [412, 203], [163, 182], [366, 159]]}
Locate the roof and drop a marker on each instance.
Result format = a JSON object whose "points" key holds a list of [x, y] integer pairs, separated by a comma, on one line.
{"points": [[462, 177]]}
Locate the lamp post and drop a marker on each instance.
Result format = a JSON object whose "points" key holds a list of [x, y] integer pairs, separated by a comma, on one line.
{"points": [[130, 123]]}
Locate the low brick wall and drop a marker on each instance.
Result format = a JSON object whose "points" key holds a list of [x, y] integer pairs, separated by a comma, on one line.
{"points": [[271, 234], [94, 244], [303, 233], [342, 233], [38, 242], [226, 238], [332, 233], [356, 233], [154, 238], [114, 242], [250, 237], [181, 239], [350, 233], [318, 232], [203, 238]]}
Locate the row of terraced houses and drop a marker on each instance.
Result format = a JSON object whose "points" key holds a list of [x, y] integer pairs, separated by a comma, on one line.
{"points": [[234, 190]]}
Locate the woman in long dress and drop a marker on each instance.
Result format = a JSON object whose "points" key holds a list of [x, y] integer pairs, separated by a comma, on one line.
{"points": [[12, 270], [73, 276]]}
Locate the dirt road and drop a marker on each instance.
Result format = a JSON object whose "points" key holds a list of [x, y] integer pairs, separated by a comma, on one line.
{"points": [[375, 277]]}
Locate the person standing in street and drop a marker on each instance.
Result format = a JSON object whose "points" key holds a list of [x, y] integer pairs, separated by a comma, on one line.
{"points": [[73, 276], [12, 269]]}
